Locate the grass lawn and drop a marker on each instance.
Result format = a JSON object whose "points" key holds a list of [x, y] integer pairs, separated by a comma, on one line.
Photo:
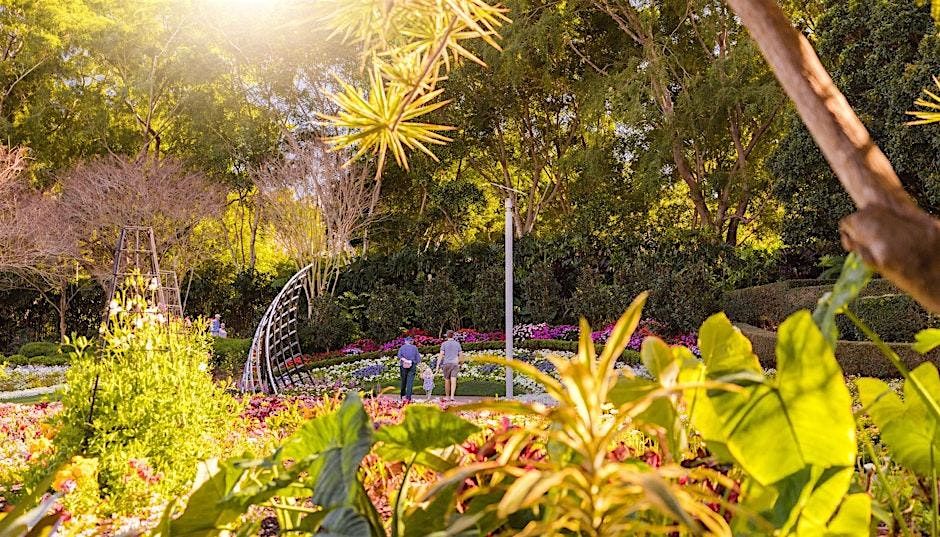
{"points": [[483, 388]]}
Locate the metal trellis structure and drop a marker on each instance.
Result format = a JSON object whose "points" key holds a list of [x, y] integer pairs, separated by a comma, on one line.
{"points": [[275, 360], [136, 252]]}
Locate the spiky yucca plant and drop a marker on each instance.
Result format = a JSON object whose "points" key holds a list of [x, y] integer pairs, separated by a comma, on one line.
{"points": [[408, 46], [578, 488]]}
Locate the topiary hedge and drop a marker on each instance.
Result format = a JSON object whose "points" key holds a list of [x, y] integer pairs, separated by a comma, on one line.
{"points": [[893, 315], [857, 358], [19, 359], [895, 318], [39, 348]]}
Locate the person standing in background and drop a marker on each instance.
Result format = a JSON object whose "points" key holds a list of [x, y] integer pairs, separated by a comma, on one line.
{"points": [[449, 361], [216, 325], [408, 360]]}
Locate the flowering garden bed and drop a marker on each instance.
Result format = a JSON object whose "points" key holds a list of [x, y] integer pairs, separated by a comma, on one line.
{"points": [[528, 337]]}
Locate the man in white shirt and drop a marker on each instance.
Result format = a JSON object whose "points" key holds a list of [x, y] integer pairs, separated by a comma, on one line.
{"points": [[449, 360]]}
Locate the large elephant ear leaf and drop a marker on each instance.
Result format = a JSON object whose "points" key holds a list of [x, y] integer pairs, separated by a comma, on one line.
{"points": [[206, 511], [776, 428], [431, 515], [907, 427], [927, 340], [344, 522], [853, 518], [426, 427], [855, 276], [424, 430], [335, 443], [724, 348]]}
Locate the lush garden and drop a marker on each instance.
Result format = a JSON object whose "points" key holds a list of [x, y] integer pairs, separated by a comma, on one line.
{"points": [[723, 303], [696, 436]]}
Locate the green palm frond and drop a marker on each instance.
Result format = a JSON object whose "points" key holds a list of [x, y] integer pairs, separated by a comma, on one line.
{"points": [[384, 121], [930, 106]]}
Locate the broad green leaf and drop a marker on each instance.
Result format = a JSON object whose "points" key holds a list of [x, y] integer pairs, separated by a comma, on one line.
{"points": [[205, 512], [428, 459], [724, 348], [23, 522], [657, 356], [927, 340], [806, 503], [664, 362], [426, 427], [829, 488], [855, 276], [816, 398], [853, 518], [341, 440], [344, 522], [802, 418], [781, 501], [907, 428], [431, 515], [620, 336], [47, 526]]}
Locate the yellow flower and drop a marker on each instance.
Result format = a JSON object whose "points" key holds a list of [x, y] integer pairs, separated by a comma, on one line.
{"points": [[70, 475], [47, 431], [39, 445]]}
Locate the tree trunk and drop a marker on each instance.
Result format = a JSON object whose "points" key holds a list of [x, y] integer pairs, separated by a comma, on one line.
{"points": [[63, 309], [889, 231]]}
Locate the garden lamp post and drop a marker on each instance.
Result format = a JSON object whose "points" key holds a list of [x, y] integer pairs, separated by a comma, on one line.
{"points": [[508, 256]]}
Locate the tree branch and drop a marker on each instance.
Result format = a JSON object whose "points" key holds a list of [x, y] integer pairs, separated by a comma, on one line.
{"points": [[889, 231]]}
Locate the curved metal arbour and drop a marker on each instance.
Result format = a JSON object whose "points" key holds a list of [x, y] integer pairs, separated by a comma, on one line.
{"points": [[274, 360]]}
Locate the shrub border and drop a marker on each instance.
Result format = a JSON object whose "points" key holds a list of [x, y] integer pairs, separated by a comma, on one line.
{"points": [[774, 302], [857, 358]]}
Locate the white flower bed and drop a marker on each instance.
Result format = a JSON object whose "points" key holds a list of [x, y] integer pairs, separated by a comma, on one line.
{"points": [[27, 377]]}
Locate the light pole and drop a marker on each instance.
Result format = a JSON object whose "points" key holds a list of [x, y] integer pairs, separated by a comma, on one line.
{"points": [[508, 256]]}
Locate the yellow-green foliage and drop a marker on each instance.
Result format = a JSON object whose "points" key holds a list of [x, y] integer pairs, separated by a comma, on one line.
{"points": [[154, 409]]}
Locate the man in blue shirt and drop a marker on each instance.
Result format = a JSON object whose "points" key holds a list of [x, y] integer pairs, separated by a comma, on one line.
{"points": [[408, 360]]}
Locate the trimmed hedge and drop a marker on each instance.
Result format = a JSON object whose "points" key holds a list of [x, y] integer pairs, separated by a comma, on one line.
{"points": [[893, 315], [19, 359], [770, 304], [39, 348], [629, 356], [895, 318], [859, 358]]}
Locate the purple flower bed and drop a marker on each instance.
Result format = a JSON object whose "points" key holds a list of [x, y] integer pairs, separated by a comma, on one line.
{"points": [[369, 371], [540, 331]]}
